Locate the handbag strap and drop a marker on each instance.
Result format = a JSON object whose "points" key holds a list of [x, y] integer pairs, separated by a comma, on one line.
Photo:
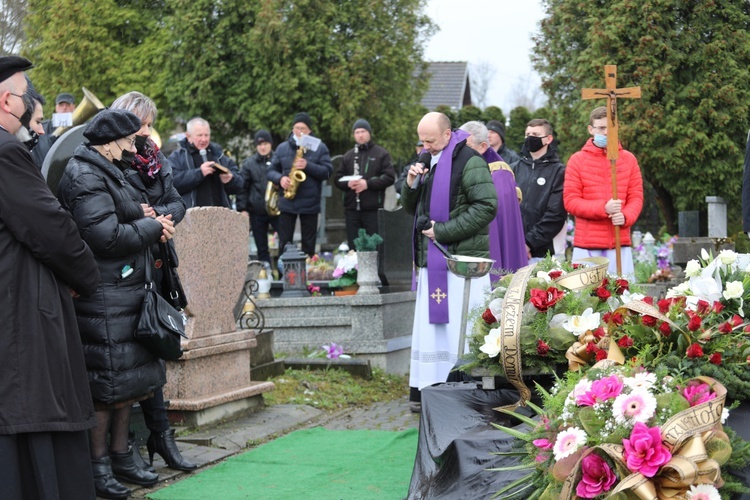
{"points": [[168, 269], [147, 270]]}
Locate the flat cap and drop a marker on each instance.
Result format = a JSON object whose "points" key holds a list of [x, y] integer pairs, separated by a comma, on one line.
{"points": [[111, 124], [10, 65], [65, 97]]}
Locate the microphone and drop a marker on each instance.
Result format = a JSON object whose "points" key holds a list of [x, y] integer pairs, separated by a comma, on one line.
{"points": [[424, 159], [203, 154]]}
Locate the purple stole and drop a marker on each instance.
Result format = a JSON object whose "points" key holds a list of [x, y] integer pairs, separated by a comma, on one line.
{"points": [[437, 270]]}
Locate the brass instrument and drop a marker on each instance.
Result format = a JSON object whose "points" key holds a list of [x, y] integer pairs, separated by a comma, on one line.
{"points": [[88, 107], [272, 199], [296, 176]]}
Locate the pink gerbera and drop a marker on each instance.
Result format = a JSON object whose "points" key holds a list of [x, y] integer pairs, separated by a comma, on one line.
{"points": [[568, 442], [638, 406]]}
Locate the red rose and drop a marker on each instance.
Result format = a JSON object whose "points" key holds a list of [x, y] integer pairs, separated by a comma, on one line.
{"points": [[625, 342], [605, 282], [488, 317], [665, 329], [577, 266], [715, 358], [695, 351], [542, 348], [622, 285], [664, 305], [599, 333], [555, 274], [746, 329], [648, 320], [702, 307], [718, 307], [737, 320], [601, 354], [614, 318], [602, 293], [591, 348], [725, 327], [695, 323], [648, 300], [554, 295], [538, 298]]}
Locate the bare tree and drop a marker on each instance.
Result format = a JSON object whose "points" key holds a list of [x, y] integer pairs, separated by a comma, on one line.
{"points": [[12, 13], [480, 76], [527, 92]]}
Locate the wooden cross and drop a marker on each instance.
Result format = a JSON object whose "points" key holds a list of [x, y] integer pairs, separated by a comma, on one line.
{"points": [[438, 295], [612, 93]]}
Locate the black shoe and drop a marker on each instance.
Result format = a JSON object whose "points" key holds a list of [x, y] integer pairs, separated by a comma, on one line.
{"points": [[137, 458], [125, 469], [164, 444], [415, 407], [105, 483]]}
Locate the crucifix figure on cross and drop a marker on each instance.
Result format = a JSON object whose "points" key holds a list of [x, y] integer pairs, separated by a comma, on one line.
{"points": [[612, 93]]}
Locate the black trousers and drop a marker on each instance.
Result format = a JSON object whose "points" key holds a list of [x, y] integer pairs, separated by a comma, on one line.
{"points": [[308, 226], [365, 219], [259, 226], [155, 413]]}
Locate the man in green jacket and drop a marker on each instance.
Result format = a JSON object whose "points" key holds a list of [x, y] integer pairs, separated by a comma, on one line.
{"points": [[453, 199]]}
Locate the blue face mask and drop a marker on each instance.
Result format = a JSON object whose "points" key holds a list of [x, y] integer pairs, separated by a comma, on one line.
{"points": [[600, 140]]}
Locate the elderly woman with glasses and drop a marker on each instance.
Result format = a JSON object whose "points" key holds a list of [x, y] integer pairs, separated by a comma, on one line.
{"points": [[111, 220]]}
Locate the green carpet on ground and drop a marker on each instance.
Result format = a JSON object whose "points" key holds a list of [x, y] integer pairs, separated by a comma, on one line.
{"points": [[312, 463]]}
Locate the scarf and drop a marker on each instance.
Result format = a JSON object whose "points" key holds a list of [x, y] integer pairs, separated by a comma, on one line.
{"points": [[147, 163]]}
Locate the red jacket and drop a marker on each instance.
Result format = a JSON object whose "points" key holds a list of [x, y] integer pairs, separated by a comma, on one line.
{"points": [[588, 187]]}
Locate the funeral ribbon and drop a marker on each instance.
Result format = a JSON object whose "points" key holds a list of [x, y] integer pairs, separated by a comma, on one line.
{"points": [[688, 435]]}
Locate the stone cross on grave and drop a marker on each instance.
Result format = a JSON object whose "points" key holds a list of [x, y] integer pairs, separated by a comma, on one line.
{"points": [[612, 93]]}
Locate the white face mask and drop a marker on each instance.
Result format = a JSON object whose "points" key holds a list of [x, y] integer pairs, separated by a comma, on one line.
{"points": [[600, 140]]}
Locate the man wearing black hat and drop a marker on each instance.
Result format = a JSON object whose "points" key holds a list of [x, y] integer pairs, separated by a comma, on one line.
{"points": [[364, 196], [46, 406], [496, 138], [251, 200], [317, 167]]}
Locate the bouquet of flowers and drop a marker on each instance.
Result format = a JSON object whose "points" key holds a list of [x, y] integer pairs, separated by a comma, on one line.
{"points": [[622, 431], [320, 267], [345, 273]]}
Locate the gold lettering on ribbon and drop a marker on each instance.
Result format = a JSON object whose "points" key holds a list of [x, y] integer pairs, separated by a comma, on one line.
{"points": [[510, 338], [438, 295], [585, 276]]}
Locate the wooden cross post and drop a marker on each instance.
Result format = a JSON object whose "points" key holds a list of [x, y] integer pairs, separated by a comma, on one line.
{"points": [[612, 93]]}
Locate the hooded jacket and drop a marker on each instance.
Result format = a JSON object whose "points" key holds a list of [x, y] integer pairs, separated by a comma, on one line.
{"points": [[588, 187], [542, 211], [109, 216]]}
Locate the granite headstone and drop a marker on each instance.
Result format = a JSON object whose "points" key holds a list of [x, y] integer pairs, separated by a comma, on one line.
{"points": [[395, 254]]}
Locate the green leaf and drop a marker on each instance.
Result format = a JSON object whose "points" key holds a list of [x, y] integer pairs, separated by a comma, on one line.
{"points": [[513, 432]]}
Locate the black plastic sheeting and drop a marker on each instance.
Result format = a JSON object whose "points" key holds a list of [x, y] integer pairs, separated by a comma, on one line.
{"points": [[456, 442]]}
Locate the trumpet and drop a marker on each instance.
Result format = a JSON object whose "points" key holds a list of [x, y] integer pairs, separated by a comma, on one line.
{"points": [[296, 176], [272, 199]]}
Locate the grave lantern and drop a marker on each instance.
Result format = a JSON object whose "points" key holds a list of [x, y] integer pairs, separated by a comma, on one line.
{"points": [[295, 272]]}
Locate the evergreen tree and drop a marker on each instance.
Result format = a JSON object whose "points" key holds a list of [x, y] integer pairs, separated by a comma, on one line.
{"points": [[515, 134], [493, 113], [469, 113]]}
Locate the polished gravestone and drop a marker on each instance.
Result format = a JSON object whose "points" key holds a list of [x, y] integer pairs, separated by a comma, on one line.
{"points": [[395, 254]]}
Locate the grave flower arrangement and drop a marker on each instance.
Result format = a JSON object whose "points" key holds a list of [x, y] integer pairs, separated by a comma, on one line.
{"points": [[621, 431], [345, 273], [320, 267]]}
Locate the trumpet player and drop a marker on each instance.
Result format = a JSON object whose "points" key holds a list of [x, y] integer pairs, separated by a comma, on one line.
{"points": [[364, 196], [302, 193]]}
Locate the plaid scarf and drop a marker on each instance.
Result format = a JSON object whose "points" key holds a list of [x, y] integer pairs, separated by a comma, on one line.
{"points": [[147, 162]]}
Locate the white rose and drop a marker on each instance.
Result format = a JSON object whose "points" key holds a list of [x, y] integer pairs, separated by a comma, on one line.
{"points": [[734, 290], [577, 325], [492, 343], [727, 257], [693, 268], [704, 255]]}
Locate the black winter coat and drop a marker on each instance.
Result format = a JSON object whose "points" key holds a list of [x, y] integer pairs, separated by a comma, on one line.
{"points": [[376, 168], [252, 197], [43, 386], [110, 219], [187, 178], [319, 168]]}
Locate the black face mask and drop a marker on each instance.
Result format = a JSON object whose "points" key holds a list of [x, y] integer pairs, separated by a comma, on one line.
{"points": [[140, 142], [533, 144], [125, 161]]}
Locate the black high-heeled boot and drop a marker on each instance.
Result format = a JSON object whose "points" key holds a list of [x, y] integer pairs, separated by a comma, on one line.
{"points": [[137, 458], [163, 443], [125, 469], [105, 483]]}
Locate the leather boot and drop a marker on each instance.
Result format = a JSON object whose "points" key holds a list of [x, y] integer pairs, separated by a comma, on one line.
{"points": [[125, 469], [105, 483], [137, 458], [163, 443]]}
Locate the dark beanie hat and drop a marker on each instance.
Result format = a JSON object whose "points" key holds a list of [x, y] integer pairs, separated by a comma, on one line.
{"points": [[262, 136], [111, 124], [497, 127], [302, 118], [10, 65], [362, 123]]}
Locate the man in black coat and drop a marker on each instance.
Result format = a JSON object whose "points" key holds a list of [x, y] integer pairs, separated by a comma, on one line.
{"points": [[251, 200], [46, 405], [363, 197]]}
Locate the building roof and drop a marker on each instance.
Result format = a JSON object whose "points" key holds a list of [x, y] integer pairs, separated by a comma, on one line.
{"points": [[449, 85]]}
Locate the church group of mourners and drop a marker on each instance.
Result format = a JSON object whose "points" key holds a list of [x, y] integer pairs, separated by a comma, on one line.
{"points": [[75, 264]]}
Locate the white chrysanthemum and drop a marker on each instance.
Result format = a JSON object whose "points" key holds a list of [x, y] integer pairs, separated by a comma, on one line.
{"points": [[492, 343], [641, 380], [734, 290], [577, 325], [638, 406], [727, 257], [703, 492], [724, 415], [692, 268], [568, 442]]}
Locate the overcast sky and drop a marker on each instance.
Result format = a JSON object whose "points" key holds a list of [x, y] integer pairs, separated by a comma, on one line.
{"points": [[497, 32]]}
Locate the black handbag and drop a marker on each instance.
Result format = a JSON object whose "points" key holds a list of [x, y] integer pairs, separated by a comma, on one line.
{"points": [[160, 326], [171, 284]]}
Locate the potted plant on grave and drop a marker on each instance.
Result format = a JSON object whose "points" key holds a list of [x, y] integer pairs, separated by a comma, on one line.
{"points": [[345, 275], [367, 259]]}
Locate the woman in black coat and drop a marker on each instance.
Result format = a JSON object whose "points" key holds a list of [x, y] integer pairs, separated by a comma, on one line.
{"points": [[111, 220], [151, 174]]}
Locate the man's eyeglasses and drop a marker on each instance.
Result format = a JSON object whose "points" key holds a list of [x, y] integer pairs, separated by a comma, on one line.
{"points": [[19, 95]]}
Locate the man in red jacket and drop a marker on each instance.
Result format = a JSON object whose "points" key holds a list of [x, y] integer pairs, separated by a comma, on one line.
{"points": [[587, 195]]}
